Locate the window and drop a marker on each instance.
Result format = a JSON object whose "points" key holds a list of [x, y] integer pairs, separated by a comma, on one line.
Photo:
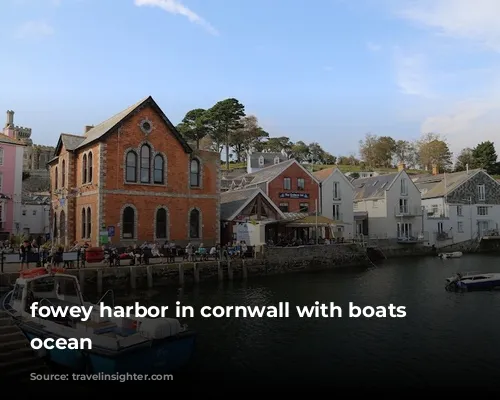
{"points": [[276, 160], [145, 164], [481, 192], [261, 161], [63, 171], [283, 207], [460, 211], [54, 226], [194, 224], [301, 184], [131, 172], [89, 222], [89, 167], [161, 223], [84, 169], [435, 209], [404, 230], [336, 191], [287, 183], [84, 223], [24, 213], [440, 227], [375, 204], [403, 206], [1, 182], [56, 178], [482, 210], [195, 173], [34, 212], [404, 187], [62, 224], [128, 224], [336, 212], [1, 156], [460, 226], [355, 205], [158, 175], [304, 207]]}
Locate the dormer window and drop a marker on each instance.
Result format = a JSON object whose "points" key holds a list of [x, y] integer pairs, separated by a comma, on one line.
{"points": [[261, 161], [276, 160]]}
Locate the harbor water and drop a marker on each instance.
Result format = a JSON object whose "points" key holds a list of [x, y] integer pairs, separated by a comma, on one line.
{"points": [[446, 338]]}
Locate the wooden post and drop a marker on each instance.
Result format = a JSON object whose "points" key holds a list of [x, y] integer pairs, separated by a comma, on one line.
{"points": [[229, 270], [196, 273], [133, 280], [181, 274], [149, 270], [220, 271], [245, 271]]}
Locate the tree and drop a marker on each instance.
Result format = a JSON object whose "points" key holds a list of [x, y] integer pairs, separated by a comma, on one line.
{"points": [[485, 157], [225, 118], [194, 126], [277, 144], [383, 151], [367, 149], [464, 160], [316, 153], [433, 151], [300, 151], [245, 138]]}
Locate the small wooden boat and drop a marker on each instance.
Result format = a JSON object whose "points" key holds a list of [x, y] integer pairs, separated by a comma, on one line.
{"points": [[455, 254]]}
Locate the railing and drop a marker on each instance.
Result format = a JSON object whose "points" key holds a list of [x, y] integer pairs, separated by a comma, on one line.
{"points": [[442, 236], [440, 213], [408, 211], [414, 237], [69, 257]]}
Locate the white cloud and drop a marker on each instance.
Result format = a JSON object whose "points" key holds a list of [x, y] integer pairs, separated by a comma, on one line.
{"points": [[373, 47], [411, 74], [465, 19], [34, 29], [176, 7]]}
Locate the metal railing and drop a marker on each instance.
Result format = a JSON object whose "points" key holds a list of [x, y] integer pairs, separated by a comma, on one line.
{"points": [[437, 213], [442, 236], [407, 211]]}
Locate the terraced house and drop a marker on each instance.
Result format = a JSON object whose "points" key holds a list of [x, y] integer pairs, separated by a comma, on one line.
{"points": [[133, 178]]}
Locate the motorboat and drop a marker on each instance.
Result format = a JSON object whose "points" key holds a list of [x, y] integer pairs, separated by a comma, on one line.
{"points": [[119, 344], [473, 281], [454, 254]]}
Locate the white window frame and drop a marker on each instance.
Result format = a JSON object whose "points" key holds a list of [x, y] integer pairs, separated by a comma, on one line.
{"points": [[481, 209], [336, 212], [261, 161], [481, 192], [336, 191], [460, 226], [460, 211], [1, 155], [404, 207], [404, 187], [1, 182]]}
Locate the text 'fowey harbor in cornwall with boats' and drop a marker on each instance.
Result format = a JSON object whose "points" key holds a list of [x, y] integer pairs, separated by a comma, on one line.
{"points": [[187, 161]]}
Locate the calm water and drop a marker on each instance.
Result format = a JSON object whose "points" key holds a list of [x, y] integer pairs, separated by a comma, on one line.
{"points": [[445, 338]]}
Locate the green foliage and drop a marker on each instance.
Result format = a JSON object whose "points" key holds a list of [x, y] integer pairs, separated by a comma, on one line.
{"points": [[484, 156], [194, 126]]}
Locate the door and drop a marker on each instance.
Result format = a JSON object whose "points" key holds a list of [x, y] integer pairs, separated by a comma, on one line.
{"points": [[482, 228], [404, 230]]}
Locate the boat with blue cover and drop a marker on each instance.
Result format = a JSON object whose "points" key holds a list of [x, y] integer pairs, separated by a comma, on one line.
{"points": [[473, 281], [119, 344]]}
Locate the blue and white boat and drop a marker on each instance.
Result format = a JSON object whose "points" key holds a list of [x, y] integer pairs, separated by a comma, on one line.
{"points": [[119, 345], [473, 281]]}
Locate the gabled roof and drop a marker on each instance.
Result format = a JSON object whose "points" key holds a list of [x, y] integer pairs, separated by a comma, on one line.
{"points": [[234, 202], [433, 186], [100, 130], [267, 174], [70, 142], [268, 159], [324, 174], [373, 187]]}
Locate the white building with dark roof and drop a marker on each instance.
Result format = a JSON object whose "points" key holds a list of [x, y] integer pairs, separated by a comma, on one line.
{"points": [[257, 161]]}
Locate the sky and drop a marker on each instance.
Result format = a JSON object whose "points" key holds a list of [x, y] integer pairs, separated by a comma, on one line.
{"points": [[327, 71]]}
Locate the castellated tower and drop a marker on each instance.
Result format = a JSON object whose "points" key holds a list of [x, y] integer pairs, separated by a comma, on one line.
{"points": [[36, 156]]}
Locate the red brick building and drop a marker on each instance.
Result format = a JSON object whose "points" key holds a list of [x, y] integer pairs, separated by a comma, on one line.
{"points": [[134, 176], [288, 184]]}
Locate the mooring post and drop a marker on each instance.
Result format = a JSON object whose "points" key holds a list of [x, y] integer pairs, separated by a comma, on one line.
{"points": [[99, 280], [220, 271], [133, 280], [149, 271], [181, 274], [245, 270], [229, 270], [196, 273]]}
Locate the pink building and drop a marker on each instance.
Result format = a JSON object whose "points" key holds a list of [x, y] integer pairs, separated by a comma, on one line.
{"points": [[11, 179]]}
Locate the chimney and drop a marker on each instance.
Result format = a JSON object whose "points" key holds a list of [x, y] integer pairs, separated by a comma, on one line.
{"points": [[435, 169], [401, 167], [10, 118], [88, 128]]}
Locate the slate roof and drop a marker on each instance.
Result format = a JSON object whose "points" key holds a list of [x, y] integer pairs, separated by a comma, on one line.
{"points": [[268, 159], [71, 142], [36, 199], [373, 187], [267, 174], [233, 200], [432, 186]]}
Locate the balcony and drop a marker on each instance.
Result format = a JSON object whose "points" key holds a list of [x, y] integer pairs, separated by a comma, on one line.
{"points": [[413, 238], [408, 211], [443, 236], [437, 213], [338, 217]]}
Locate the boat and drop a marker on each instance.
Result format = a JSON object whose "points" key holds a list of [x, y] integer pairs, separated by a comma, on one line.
{"points": [[473, 281], [119, 345], [454, 254]]}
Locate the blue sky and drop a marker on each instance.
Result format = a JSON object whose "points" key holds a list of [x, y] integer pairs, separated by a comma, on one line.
{"points": [[318, 70]]}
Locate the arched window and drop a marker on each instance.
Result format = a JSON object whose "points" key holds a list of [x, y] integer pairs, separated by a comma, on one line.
{"points": [[56, 178], [89, 223], [131, 173], [128, 223], [62, 224], [84, 224], [54, 227], [84, 169], [195, 173], [158, 175], [63, 177], [194, 224], [145, 164], [161, 223], [89, 167]]}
